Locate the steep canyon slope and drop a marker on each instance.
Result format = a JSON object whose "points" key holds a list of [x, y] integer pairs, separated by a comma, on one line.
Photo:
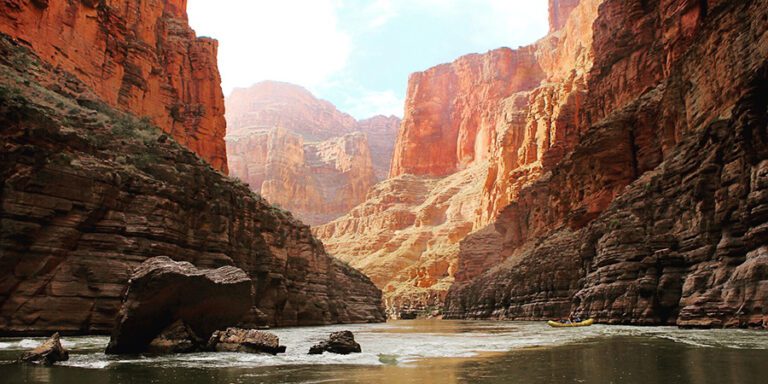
{"points": [[301, 153], [139, 56], [656, 213], [89, 192]]}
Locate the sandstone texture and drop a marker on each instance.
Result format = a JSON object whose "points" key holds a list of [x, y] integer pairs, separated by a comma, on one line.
{"points": [[162, 292], [89, 193], [48, 353], [342, 343], [301, 153], [654, 213], [139, 56]]}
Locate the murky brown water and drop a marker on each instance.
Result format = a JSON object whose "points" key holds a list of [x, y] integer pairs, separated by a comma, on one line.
{"points": [[434, 352]]}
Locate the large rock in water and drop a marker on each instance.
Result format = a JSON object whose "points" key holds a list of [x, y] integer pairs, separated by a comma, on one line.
{"points": [[162, 291], [342, 342], [47, 353], [245, 340]]}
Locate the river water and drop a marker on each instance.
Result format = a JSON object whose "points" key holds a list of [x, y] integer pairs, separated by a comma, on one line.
{"points": [[432, 351]]}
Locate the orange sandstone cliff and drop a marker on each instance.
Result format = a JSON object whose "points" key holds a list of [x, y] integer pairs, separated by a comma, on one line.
{"points": [[656, 213], [301, 153], [624, 180], [139, 56], [469, 126]]}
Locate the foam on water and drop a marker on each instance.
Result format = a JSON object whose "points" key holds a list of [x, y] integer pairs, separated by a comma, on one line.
{"points": [[399, 343]]}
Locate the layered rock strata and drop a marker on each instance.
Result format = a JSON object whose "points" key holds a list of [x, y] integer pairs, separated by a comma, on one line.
{"points": [[301, 153], [656, 214], [139, 56], [89, 193], [477, 131]]}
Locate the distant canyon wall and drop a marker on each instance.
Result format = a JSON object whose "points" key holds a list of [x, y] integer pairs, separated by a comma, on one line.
{"points": [[302, 154]]}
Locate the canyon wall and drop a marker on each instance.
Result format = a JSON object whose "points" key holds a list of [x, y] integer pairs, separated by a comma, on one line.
{"points": [[475, 132], [89, 192], [450, 110], [655, 214], [301, 153], [139, 56]]}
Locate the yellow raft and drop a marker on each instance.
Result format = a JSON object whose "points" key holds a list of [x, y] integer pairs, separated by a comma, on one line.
{"points": [[584, 323]]}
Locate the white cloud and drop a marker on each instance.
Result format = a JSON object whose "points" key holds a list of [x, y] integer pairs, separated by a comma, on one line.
{"points": [[298, 41], [372, 103]]}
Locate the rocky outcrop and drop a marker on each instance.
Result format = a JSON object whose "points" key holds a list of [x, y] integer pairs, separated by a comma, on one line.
{"points": [[48, 353], [89, 193], [162, 292], [139, 56], [656, 214], [245, 340], [342, 343], [301, 153]]}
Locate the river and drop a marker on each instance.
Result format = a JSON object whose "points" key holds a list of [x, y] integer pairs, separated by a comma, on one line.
{"points": [[432, 351]]}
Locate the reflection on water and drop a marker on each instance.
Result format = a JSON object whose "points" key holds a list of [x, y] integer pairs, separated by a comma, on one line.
{"points": [[434, 352]]}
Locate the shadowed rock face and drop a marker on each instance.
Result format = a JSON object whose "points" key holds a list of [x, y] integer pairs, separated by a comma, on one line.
{"points": [[302, 154], [89, 193], [162, 292], [656, 215], [139, 56]]}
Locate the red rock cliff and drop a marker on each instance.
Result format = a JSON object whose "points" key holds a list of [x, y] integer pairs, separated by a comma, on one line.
{"points": [[450, 110], [655, 215], [139, 56], [303, 154]]}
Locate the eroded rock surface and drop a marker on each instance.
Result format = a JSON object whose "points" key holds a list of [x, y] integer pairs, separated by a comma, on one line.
{"points": [[139, 56]]}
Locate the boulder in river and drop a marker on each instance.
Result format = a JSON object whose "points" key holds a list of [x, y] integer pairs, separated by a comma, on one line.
{"points": [[162, 292], [245, 340], [47, 353], [342, 342], [177, 338]]}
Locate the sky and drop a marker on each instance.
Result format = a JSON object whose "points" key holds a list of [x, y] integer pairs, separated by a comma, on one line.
{"points": [[357, 54]]}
